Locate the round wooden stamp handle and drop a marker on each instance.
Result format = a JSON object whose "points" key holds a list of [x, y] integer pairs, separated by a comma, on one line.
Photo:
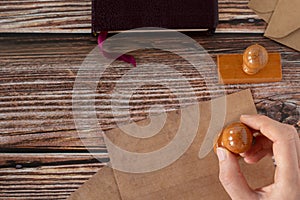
{"points": [[255, 58]]}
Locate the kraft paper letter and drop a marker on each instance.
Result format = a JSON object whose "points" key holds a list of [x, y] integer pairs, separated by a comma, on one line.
{"points": [[188, 176], [263, 8], [101, 186], [283, 18]]}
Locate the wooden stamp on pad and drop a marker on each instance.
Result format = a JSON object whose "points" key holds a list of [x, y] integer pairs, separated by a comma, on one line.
{"points": [[256, 65]]}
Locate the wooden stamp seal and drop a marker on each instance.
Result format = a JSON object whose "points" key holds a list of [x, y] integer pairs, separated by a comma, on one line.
{"points": [[256, 65]]}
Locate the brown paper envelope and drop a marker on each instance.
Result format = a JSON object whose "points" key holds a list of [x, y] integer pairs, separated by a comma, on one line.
{"points": [[284, 25], [263, 8], [188, 177]]}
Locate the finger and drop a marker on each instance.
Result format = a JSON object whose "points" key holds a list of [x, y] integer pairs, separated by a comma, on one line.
{"points": [[284, 145], [231, 177], [258, 156], [261, 148], [297, 143]]}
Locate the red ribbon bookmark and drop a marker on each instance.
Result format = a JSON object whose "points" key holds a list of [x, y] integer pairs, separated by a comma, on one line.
{"points": [[126, 58]]}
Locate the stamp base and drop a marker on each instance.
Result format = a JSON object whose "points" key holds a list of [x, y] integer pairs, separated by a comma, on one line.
{"points": [[230, 70]]}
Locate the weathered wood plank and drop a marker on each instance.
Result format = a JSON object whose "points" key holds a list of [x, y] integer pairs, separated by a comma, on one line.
{"points": [[37, 75], [34, 160], [44, 182], [42, 155], [70, 16]]}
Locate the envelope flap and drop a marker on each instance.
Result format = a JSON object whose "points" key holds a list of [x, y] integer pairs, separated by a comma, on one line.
{"points": [[263, 6], [285, 19]]}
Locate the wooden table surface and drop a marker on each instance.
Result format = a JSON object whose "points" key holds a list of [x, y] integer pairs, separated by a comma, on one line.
{"points": [[41, 155]]}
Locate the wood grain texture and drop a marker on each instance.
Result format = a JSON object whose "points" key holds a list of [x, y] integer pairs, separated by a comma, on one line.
{"points": [[70, 16], [45, 182], [37, 76], [27, 159], [41, 154]]}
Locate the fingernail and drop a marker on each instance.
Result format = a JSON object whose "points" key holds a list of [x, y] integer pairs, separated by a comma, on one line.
{"points": [[243, 155], [221, 153], [245, 116]]}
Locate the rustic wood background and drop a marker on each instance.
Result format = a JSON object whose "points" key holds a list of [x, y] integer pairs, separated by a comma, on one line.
{"points": [[70, 16], [41, 155]]}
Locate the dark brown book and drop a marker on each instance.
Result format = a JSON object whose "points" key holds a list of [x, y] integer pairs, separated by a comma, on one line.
{"points": [[108, 15]]}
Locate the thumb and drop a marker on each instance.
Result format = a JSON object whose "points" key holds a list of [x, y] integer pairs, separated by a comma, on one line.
{"points": [[231, 177]]}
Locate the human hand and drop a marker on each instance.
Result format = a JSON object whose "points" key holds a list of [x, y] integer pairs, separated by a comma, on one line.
{"points": [[281, 141]]}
